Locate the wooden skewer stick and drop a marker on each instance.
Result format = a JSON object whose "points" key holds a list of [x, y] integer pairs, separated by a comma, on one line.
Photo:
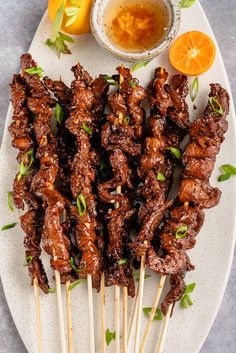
{"points": [[125, 318], [60, 311], [140, 300], [103, 313], [134, 313], [69, 318], [38, 316], [152, 313], [117, 298], [91, 317], [162, 338]]}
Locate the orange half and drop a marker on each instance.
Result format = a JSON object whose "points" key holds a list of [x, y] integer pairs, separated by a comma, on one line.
{"points": [[193, 53]]}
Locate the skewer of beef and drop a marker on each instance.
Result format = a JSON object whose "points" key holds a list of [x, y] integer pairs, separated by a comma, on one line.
{"points": [[65, 151], [55, 241], [120, 137], [186, 217], [82, 122], [168, 122], [23, 139]]}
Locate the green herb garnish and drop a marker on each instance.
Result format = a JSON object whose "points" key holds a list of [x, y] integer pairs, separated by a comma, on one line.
{"points": [[228, 171], [28, 261], [157, 316], [122, 262], [110, 336], [176, 152], [181, 232], [215, 105], [126, 120], [10, 201], [186, 300], [132, 84], [37, 70], [194, 89], [51, 290], [110, 80], [59, 114], [139, 65], [183, 4], [87, 129], [59, 44], [73, 265], [161, 177], [81, 205], [72, 13], [9, 226], [75, 284], [24, 168]]}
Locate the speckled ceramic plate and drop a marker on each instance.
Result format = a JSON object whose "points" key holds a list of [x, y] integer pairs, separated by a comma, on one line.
{"points": [[212, 254]]}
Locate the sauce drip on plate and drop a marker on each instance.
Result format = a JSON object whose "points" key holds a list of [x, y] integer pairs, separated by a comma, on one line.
{"points": [[136, 26]]}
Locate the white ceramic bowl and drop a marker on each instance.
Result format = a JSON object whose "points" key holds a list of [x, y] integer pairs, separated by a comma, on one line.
{"points": [[96, 19]]}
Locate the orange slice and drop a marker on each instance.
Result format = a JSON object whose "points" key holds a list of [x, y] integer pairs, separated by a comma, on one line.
{"points": [[193, 53]]}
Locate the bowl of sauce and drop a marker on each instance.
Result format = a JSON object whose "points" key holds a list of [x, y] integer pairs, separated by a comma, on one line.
{"points": [[135, 30]]}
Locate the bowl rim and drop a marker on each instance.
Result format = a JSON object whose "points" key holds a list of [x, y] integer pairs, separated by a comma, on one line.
{"points": [[130, 56]]}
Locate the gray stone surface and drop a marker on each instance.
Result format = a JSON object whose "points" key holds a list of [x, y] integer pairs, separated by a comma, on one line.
{"points": [[18, 22]]}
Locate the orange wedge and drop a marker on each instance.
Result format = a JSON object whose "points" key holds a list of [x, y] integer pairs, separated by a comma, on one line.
{"points": [[193, 53]]}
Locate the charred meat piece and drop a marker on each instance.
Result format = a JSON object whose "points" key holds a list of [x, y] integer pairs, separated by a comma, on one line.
{"points": [[31, 224]]}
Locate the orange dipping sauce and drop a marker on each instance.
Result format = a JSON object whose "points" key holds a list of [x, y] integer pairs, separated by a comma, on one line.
{"points": [[136, 26]]}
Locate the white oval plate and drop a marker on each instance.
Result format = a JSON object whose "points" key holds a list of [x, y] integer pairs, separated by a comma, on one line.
{"points": [[212, 254]]}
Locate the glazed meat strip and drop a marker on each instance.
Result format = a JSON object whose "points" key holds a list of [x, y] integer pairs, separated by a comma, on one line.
{"points": [[21, 130], [40, 105], [66, 142], [121, 138], [156, 165], [23, 139], [195, 194], [84, 111], [32, 225]]}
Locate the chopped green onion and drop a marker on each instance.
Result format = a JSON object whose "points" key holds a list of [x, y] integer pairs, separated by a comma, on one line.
{"points": [[183, 4], [59, 114], [51, 290], [10, 201], [9, 226], [57, 23], [224, 177], [24, 169], [81, 205], [176, 152], [139, 65], [228, 171], [216, 106], [161, 177], [87, 129], [132, 84], [122, 262], [126, 120], [27, 261], [73, 266], [181, 232], [186, 300], [110, 336], [37, 70], [110, 80], [194, 89], [75, 284], [157, 316]]}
